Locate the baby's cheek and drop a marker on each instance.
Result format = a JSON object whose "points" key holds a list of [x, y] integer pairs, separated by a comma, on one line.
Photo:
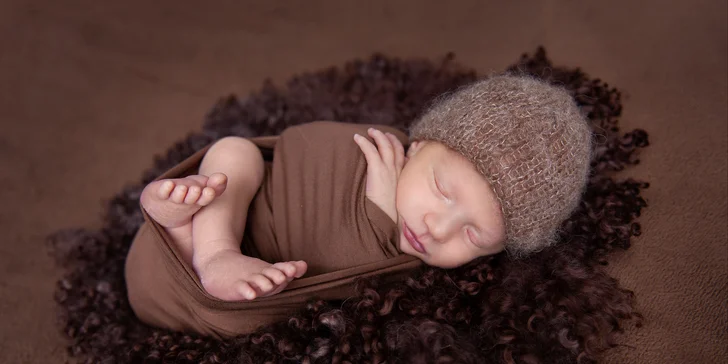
{"points": [[456, 257], [442, 260], [401, 199]]}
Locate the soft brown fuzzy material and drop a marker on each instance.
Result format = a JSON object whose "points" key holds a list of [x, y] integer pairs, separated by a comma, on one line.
{"points": [[529, 140], [558, 306]]}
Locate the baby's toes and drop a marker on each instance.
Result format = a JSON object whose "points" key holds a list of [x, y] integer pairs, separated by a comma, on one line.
{"points": [[287, 268], [193, 194], [245, 290], [275, 275], [293, 269], [301, 268], [198, 179], [262, 283], [206, 196], [178, 194], [165, 189], [218, 182]]}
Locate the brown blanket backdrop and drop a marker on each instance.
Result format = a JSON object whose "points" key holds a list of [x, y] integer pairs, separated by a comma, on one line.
{"points": [[90, 91], [559, 306]]}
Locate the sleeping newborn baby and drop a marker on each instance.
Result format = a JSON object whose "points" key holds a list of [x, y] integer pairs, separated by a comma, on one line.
{"points": [[497, 165]]}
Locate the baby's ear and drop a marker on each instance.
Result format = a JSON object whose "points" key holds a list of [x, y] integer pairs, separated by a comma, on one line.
{"points": [[413, 147]]}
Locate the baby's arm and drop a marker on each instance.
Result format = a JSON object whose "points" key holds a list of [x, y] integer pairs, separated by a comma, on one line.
{"points": [[384, 165]]}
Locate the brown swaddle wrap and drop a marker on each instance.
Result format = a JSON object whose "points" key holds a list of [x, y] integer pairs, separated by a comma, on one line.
{"points": [[311, 206]]}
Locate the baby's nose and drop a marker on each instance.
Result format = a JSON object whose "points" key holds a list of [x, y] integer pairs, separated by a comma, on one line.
{"points": [[441, 228]]}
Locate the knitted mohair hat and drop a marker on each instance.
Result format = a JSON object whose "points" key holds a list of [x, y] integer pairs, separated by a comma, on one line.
{"points": [[531, 143]]}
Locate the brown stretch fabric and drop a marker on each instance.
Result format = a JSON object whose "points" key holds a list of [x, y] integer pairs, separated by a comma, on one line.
{"points": [[311, 206]]}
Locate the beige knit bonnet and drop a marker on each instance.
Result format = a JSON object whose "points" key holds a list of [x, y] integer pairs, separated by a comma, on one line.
{"points": [[531, 143]]}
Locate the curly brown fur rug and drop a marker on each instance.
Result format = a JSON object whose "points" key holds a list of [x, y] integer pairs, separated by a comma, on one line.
{"points": [[558, 306]]}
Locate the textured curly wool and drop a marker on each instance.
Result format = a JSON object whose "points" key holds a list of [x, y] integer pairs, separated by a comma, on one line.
{"points": [[531, 143], [558, 306]]}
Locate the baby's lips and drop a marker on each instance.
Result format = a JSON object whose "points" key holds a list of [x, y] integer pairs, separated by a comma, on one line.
{"points": [[412, 239]]}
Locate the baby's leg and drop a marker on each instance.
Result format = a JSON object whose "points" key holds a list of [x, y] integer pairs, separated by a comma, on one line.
{"points": [[205, 217], [220, 225], [217, 229]]}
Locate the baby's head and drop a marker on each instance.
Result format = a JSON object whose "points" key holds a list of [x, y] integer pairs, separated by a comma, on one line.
{"points": [[499, 164]]}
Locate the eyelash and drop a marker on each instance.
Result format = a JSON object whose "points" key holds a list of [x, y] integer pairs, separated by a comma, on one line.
{"points": [[437, 185], [468, 233], [470, 238]]}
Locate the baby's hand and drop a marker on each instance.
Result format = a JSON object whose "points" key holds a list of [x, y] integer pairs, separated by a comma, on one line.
{"points": [[232, 276], [384, 164]]}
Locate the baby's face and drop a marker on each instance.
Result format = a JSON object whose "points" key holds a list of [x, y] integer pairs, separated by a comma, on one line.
{"points": [[447, 212]]}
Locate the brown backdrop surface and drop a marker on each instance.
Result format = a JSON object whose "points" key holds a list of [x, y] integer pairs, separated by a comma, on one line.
{"points": [[90, 92]]}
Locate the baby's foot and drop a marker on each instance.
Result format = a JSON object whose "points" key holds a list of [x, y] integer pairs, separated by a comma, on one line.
{"points": [[172, 202], [231, 276]]}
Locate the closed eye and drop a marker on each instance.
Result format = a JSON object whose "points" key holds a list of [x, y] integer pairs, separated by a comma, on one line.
{"points": [[472, 238], [439, 188]]}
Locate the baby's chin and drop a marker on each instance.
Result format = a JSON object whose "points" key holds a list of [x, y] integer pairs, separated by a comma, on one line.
{"points": [[406, 248]]}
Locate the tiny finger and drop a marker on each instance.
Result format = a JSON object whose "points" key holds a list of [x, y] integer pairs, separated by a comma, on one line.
{"points": [[384, 146], [369, 150], [398, 151]]}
